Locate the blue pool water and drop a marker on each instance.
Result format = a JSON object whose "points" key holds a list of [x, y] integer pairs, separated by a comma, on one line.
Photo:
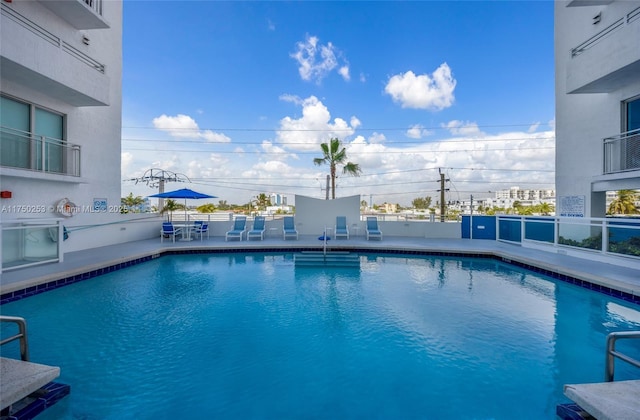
{"points": [[252, 336]]}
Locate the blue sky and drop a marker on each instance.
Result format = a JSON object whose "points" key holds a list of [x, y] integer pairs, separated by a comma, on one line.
{"points": [[238, 96]]}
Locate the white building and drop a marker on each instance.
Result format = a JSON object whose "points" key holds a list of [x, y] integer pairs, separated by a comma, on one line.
{"points": [[597, 55], [61, 112]]}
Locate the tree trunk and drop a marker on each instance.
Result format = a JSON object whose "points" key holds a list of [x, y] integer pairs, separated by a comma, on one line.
{"points": [[333, 182]]}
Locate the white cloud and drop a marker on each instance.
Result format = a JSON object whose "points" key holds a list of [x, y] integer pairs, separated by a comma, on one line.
{"points": [[377, 138], [344, 72], [418, 131], [316, 61], [314, 127], [433, 92], [183, 126], [126, 159], [533, 128], [467, 128], [295, 99], [552, 124]]}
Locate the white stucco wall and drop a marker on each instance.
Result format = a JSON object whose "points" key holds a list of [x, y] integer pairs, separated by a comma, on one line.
{"points": [[97, 129], [313, 215], [583, 120]]}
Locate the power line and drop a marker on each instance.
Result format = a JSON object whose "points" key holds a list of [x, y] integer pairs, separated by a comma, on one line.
{"points": [[386, 152], [329, 130], [289, 143]]}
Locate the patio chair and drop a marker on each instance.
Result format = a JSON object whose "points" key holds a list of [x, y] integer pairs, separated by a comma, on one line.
{"points": [[201, 229], [341, 229], [289, 228], [373, 231], [169, 230], [258, 228], [238, 228]]}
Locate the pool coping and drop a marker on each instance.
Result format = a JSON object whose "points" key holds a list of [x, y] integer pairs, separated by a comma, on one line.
{"points": [[511, 254]]}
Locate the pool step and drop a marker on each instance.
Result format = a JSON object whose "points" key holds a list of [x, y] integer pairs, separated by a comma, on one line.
{"points": [[328, 259]]}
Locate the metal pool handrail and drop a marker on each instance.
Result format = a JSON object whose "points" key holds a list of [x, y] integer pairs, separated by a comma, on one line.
{"points": [[611, 353], [22, 335]]}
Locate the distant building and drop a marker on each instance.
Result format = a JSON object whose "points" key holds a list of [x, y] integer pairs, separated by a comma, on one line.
{"points": [[278, 199], [506, 198], [597, 56]]}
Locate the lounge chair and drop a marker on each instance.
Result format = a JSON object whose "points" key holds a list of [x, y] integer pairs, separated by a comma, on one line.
{"points": [[341, 229], [200, 229], [169, 230], [258, 228], [238, 228], [372, 228], [289, 228]]}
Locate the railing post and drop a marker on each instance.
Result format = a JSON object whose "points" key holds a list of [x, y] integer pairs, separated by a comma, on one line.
{"points": [[22, 335], [609, 362], [611, 353]]}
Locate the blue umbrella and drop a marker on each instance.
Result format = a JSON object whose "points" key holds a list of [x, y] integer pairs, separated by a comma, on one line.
{"points": [[185, 193]]}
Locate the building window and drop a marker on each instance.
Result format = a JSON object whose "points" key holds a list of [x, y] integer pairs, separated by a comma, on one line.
{"points": [[31, 137], [632, 114]]}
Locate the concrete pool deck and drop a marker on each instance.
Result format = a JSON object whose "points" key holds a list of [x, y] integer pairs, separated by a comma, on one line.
{"points": [[611, 276]]}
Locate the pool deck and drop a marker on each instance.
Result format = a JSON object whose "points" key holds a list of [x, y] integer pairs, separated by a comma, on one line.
{"points": [[607, 277], [611, 276]]}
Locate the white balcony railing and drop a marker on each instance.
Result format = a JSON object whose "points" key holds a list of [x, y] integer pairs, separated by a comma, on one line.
{"points": [[629, 18], [22, 150], [622, 152]]}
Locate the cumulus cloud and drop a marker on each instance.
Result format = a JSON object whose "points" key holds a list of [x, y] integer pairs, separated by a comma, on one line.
{"points": [[418, 131], [183, 126], [460, 128], [316, 61], [432, 92], [126, 158], [313, 127], [276, 152]]}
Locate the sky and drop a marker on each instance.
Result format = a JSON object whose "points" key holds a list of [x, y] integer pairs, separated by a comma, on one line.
{"points": [[237, 97]]}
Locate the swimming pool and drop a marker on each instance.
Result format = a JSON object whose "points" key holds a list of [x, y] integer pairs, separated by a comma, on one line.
{"points": [[254, 336]]}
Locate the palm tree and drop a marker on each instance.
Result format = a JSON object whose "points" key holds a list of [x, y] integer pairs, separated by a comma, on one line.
{"points": [[262, 201], [624, 203], [171, 206], [335, 155], [131, 203], [206, 208], [545, 208]]}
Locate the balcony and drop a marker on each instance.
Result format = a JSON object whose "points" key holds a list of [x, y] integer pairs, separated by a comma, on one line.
{"points": [[26, 151], [42, 61], [609, 60], [81, 14], [622, 152]]}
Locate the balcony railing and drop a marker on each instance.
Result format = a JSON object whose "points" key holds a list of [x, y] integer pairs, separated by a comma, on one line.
{"points": [[53, 39], [610, 236], [622, 152], [630, 17], [23, 150]]}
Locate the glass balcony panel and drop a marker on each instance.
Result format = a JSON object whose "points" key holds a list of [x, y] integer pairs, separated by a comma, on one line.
{"points": [[580, 235], [29, 245]]}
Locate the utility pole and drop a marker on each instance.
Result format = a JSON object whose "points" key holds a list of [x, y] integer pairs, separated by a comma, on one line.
{"points": [[155, 177], [442, 190]]}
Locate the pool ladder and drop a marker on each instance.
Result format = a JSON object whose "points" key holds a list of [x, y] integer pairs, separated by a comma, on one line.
{"points": [[21, 335], [611, 352]]}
